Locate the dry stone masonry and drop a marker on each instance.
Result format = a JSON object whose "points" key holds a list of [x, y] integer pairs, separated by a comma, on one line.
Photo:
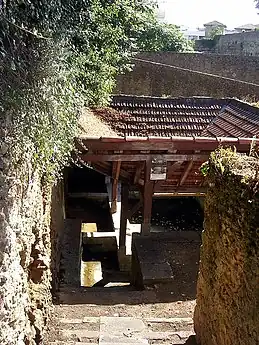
{"points": [[228, 290], [25, 252]]}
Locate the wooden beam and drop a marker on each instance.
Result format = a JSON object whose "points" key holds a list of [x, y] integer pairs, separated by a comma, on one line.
{"points": [[143, 157], [116, 170], [186, 173], [179, 143], [124, 175], [174, 166], [182, 194], [139, 168], [123, 217], [135, 208], [148, 193], [173, 189], [115, 175]]}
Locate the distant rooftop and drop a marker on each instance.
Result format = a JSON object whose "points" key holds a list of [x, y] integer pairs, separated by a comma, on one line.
{"points": [[215, 23], [248, 27]]}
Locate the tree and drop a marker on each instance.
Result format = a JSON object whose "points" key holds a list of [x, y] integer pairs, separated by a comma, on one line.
{"points": [[59, 55], [216, 32], [153, 35], [162, 37]]}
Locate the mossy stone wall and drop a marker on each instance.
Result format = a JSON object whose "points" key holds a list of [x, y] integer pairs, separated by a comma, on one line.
{"points": [[227, 310]]}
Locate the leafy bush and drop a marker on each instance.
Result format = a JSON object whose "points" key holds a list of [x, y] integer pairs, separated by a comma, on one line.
{"points": [[57, 56]]}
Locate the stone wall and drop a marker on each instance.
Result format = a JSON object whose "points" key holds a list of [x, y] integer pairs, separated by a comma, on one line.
{"points": [[228, 290], [240, 44], [243, 68], [152, 79], [25, 252], [57, 226], [245, 43]]}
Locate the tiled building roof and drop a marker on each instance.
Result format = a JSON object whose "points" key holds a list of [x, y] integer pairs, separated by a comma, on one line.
{"points": [[237, 119], [166, 117]]}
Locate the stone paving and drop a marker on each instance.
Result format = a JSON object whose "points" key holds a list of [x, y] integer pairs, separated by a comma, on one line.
{"points": [[123, 330]]}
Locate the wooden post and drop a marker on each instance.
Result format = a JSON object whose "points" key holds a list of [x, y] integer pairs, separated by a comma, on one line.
{"points": [[124, 216], [115, 175], [148, 193]]}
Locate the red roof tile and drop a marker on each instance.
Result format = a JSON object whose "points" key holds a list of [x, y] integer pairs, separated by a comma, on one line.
{"points": [[237, 119], [166, 117]]}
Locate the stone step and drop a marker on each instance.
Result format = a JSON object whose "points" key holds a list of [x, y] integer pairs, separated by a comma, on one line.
{"points": [[154, 324], [107, 335], [58, 342], [96, 319], [107, 330], [79, 335], [87, 320]]}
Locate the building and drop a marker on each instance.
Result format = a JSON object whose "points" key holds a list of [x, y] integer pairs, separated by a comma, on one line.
{"points": [[211, 26], [247, 28], [193, 34], [156, 146]]}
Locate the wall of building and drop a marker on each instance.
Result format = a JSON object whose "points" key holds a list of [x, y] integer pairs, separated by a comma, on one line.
{"points": [[154, 79], [240, 44], [245, 43], [25, 252], [227, 289]]}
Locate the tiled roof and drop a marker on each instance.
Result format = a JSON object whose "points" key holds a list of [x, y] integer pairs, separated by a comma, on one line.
{"points": [[184, 117], [214, 23], [247, 27], [153, 116], [237, 119]]}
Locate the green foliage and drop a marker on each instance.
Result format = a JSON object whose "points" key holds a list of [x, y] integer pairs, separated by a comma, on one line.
{"points": [[216, 32], [157, 36], [57, 56], [222, 159]]}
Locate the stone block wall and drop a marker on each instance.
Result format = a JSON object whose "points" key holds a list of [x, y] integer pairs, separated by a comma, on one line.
{"points": [[25, 252], [152, 79], [244, 43], [228, 289], [57, 226], [238, 67]]}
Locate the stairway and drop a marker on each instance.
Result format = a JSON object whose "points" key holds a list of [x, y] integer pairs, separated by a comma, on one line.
{"points": [[118, 316]]}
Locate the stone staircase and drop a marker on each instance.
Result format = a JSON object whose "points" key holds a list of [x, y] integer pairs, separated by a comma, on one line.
{"points": [[118, 316], [123, 330]]}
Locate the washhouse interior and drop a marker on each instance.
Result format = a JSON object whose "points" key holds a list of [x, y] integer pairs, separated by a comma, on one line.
{"points": [[88, 198]]}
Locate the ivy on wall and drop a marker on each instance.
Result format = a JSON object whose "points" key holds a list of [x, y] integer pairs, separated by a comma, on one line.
{"points": [[57, 56]]}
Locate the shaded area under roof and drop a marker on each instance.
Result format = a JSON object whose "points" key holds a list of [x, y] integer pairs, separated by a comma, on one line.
{"points": [[183, 157]]}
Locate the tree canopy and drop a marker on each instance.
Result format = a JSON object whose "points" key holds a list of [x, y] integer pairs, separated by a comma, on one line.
{"points": [[157, 36], [58, 55]]}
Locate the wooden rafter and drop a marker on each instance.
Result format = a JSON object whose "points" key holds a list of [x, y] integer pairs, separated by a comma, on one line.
{"points": [[148, 193], [104, 152], [116, 170], [162, 143], [186, 173], [124, 216], [135, 208], [136, 157], [139, 168], [115, 176]]}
